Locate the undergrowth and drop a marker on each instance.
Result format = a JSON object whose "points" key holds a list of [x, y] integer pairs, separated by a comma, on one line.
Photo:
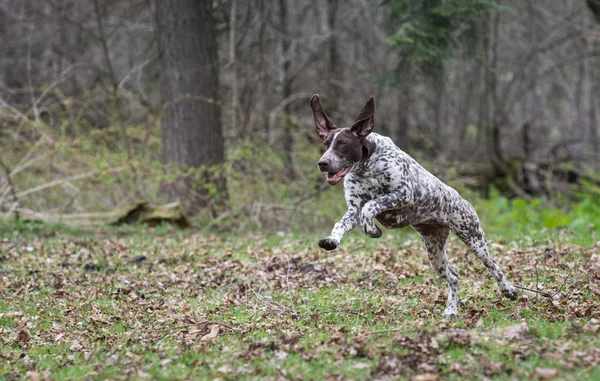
{"points": [[264, 195]]}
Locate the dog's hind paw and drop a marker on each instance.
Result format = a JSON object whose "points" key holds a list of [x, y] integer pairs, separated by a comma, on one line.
{"points": [[449, 313], [328, 244]]}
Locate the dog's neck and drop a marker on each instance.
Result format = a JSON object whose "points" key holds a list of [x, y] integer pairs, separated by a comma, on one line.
{"points": [[368, 147]]}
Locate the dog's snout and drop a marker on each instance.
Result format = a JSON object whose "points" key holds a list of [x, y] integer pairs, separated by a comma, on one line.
{"points": [[323, 165]]}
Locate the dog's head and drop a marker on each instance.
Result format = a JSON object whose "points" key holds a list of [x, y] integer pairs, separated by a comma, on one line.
{"points": [[343, 147]]}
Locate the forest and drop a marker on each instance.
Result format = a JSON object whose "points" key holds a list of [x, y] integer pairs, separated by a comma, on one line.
{"points": [[161, 204]]}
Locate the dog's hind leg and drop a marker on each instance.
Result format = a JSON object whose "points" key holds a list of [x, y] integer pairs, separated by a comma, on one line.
{"points": [[434, 238], [470, 232]]}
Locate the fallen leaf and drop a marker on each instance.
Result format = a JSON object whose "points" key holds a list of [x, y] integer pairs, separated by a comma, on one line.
{"points": [[546, 373], [76, 346], [456, 368], [24, 338], [142, 374], [26, 360], [513, 332], [280, 355], [33, 376], [426, 377], [214, 332]]}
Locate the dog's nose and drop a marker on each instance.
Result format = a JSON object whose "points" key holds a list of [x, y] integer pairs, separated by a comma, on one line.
{"points": [[323, 165]]}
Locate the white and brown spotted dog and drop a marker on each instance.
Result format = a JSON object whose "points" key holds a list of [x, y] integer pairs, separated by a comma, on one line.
{"points": [[384, 183]]}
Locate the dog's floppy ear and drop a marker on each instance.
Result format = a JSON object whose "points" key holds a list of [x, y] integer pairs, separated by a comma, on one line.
{"points": [[365, 121], [322, 122]]}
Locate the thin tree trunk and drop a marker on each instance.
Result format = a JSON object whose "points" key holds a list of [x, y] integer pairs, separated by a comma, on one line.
{"points": [[438, 86], [192, 137], [466, 103], [117, 104], [593, 113], [532, 99], [286, 86], [482, 73], [233, 69], [400, 134], [265, 19], [335, 69], [493, 117], [588, 111]]}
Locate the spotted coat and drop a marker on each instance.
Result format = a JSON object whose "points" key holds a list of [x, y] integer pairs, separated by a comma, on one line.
{"points": [[389, 186]]}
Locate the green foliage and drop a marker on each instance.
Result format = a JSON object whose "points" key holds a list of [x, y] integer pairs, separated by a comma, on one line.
{"points": [[263, 195], [517, 217], [428, 32]]}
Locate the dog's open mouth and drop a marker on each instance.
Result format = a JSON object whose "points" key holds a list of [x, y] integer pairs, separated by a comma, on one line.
{"points": [[335, 177]]}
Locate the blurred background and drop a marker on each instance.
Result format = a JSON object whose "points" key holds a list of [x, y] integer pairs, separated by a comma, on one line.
{"points": [[105, 104]]}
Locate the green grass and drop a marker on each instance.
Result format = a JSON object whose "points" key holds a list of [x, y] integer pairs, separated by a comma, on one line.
{"points": [[541, 219], [135, 303]]}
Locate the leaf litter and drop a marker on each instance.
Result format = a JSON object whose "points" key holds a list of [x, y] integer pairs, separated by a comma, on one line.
{"points": [[246, 308]]}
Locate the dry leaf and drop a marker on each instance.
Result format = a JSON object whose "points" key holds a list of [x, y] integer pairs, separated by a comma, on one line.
{"points": [[142, 374], [214, 332], [33, 376], [513, 332], [546, 373], [426, 377], [26, 360], [24, 338], [76, 346], [456, 368]]}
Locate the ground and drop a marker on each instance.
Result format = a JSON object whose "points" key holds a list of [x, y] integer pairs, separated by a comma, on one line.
{"points": [[154, 303]]}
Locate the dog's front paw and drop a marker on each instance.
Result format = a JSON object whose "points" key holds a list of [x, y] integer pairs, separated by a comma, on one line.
{"points": [[510, 293], [328, 243], [369, 228]]}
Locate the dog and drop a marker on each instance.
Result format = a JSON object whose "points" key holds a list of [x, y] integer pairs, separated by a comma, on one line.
{"points": [[384, 183]]}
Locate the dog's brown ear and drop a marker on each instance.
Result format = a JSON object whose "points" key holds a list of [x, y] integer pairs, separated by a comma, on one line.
{"points": [[322, 122], [365, 121]]}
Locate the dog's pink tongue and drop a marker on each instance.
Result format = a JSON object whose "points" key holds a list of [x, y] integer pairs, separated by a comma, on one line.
{"points": [[333, 178]]}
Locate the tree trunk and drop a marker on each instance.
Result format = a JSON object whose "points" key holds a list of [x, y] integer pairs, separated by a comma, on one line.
{"points": [[233, 68], [493, 120], [192, 137], [286, 87], [588, 101], [400, 134], [533, 101], [594, 6], [335, 69]]}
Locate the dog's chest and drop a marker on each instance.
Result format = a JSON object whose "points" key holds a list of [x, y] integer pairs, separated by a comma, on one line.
{"points": [[383, 175], [369, 187]]}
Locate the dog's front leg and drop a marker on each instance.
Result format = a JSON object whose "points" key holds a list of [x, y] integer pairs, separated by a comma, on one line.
{"points": [[347, 223], [397, 199]]}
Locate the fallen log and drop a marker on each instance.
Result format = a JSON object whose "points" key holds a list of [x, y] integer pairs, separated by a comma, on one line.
{"points": [[135, 213]]}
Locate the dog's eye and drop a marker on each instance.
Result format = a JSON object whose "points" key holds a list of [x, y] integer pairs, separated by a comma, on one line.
{"points": [[342, 144]]}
